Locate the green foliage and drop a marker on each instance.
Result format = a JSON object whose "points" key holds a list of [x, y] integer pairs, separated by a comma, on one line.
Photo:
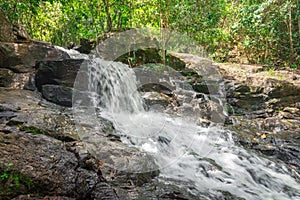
{"points": [[12, 183], [32, 129], [255, 31], [294, 66], [5, 174]]}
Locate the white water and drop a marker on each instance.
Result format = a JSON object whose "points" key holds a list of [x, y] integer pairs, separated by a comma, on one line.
{"points": [[205, 160]]}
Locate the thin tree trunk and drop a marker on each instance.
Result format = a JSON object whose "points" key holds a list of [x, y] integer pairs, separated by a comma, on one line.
{"points": [[291, 32], [130, 14], [162, 33], [108, 19], [298, 16]]}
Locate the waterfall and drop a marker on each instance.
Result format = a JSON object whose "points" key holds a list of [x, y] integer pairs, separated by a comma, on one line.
{"points": [[115, 85], [205, 161]]}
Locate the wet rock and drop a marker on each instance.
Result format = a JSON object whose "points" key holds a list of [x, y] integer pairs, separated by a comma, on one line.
{"points": [[150, 80], [271, 136], [63, 166], [155, 100], [160, 190], [104, 191], [62, 72], [58, 94], [117, 156]]}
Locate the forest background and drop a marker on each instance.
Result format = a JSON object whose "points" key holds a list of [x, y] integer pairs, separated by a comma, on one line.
{"points": [[243, 31]]}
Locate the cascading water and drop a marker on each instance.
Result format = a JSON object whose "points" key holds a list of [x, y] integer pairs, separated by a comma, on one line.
{"points": [[204, 160], [115, 86]]}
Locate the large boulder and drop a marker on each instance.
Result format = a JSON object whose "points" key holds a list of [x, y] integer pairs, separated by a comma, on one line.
{"points": [[61, 72], [21, 58], [43, 166], [55, 80]]}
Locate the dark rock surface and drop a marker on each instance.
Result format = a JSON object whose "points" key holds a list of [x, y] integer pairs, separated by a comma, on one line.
{"points": [[59, 72], [58, 94], [21, 34]]}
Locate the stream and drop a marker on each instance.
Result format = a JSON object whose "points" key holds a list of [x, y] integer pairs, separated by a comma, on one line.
{"points": [[202, 160]]}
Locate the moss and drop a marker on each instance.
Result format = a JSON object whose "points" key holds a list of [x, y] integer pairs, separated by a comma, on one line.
{"points": [[157, 67], [13, 183], [15, 123], [33, 130], [189, 73]]}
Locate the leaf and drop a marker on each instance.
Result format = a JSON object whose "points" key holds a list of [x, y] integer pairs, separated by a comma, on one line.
{"points": [[263, 136]]}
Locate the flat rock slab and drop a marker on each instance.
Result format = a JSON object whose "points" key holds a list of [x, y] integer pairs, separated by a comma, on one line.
{"points": [[35, 115]]}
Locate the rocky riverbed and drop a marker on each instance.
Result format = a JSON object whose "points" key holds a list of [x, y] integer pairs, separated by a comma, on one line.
{"points": [[42, 155]]}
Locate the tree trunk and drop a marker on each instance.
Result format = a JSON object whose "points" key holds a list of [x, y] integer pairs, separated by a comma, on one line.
{"points": [[130, 14], [108, 19], [291, 33], [162, 33], [298, 16]]}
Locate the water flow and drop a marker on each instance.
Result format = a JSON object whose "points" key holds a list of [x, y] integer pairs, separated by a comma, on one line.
{"points": [[202, 160], [115, 86]]}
